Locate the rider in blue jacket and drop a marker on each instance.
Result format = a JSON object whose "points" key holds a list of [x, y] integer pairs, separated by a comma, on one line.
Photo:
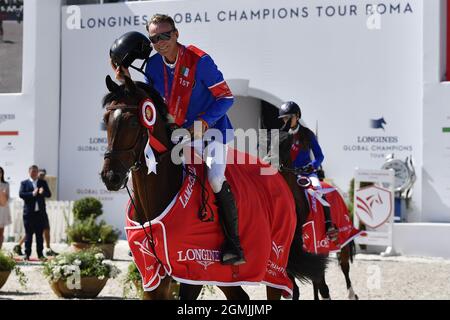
{"points": [[305, 143], [195, 91]]}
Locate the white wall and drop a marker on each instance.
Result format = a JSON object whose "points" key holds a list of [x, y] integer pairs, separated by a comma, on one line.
{"points": [[36, 108], [47, 84], [436, 115]]}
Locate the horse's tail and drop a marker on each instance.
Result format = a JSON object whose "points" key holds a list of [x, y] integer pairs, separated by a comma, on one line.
{"points": [[351, 250], [303, 265]]}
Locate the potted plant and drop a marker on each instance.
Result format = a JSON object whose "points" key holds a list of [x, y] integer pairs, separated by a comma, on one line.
{"points": [[133, 282], [81, 274], [7, 265], [85, 232]]}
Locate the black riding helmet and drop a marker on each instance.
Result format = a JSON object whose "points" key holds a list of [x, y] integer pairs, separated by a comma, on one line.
{"points": [[289, 108], [129, 47]]}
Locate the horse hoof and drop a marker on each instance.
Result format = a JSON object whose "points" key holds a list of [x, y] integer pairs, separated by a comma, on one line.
{"points": [[351, 294]]}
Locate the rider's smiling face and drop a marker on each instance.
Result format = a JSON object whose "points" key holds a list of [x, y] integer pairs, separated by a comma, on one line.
{"points": [[166, 48]]}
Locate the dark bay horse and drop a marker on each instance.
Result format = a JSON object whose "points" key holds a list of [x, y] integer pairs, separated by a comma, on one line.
{"points": [[346, 255], [127, 138]]}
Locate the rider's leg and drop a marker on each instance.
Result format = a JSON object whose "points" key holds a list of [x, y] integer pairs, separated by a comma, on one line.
{"points": [[329, 227], [232, 252]]}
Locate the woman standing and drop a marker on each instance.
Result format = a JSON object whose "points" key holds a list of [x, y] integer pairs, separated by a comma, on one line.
{"points": [[5, 215]]}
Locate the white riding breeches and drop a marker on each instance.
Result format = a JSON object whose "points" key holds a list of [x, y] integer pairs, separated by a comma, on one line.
{"points": [[215, 156], [315, 181]]}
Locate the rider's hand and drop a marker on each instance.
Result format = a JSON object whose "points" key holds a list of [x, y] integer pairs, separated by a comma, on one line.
{"points": [[309, 168], [120, 72], [196, 134]]}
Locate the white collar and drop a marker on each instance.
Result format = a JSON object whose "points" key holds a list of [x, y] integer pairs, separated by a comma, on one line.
{"points": [[170, 65], [294, 131]]}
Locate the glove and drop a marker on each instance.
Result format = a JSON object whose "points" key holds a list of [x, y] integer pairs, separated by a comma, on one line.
{"points": [[309, 168]]}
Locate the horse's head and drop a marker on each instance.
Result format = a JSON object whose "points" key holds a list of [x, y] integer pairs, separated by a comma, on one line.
{"points": [[130, 111]]}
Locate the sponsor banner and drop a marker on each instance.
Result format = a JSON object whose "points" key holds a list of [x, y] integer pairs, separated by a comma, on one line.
{"points": [[374, 206], [16, 132], [333, 61]]}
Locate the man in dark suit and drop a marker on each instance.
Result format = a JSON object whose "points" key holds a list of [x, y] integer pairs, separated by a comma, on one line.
{"points": [[34, 191]]}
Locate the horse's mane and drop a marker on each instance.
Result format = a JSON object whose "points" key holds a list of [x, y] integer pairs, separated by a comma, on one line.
{"points": [[123, 93]]}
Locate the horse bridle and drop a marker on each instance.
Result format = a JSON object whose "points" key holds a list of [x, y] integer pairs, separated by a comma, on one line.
{"points": [[158, 146], [133, 150]]}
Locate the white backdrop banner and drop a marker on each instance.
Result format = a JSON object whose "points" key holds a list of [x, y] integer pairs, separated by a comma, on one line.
{"points": [[354, 68], [17, 127]]}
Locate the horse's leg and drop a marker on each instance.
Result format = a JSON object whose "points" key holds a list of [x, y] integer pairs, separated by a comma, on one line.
{"points": [[316, 289], [323, 289], [162, 292], [273, 293], [344, 262], [189, 291], [295, 289], [235, 293]]}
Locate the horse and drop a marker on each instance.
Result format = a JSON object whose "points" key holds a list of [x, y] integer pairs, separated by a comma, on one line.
{"points": [[347, 252], [127, 139]]}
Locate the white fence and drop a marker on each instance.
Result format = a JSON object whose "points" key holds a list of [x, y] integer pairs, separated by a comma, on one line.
{"points": [[59, 216]]}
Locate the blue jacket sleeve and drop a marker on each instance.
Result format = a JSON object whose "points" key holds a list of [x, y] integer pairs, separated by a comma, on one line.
{"points": [[213, 79], [23, 193], [317, 151]]}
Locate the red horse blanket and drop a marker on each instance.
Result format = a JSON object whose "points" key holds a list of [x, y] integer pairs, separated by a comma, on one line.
{"points": [[189, 249], [315, 239]]}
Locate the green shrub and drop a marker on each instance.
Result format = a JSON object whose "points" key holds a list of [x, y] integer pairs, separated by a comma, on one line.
{"points": [[133, 282], [88, 231], [7, 263], [87, 207]]}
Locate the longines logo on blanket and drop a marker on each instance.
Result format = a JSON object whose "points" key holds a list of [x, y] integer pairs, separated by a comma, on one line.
{"points": [[204, 257], [5, 117], [187, 192], [277, 249]]}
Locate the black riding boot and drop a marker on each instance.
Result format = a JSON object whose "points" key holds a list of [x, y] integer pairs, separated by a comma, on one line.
{"points": [[327, 215], [231, 252], [330, 228]]}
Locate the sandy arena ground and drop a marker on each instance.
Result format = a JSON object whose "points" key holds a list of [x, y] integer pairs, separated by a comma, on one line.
{"points": [[373, 277]]}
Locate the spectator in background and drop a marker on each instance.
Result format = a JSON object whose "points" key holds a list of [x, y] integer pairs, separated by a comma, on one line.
{"points": [[48, 250], [34, 191], [5, 214], [46, 225]]}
